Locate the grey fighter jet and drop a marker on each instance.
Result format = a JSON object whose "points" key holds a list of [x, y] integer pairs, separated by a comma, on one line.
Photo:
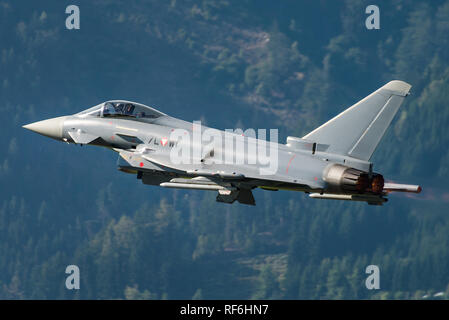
{"points": [[331, 162]]}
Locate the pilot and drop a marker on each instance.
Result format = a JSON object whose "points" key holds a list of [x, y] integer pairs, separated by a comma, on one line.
{"points": [[129, 108], [119, 108], [108, 109]]}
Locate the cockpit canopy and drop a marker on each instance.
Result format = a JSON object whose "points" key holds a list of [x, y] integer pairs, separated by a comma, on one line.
{"points": [[122, 109]]}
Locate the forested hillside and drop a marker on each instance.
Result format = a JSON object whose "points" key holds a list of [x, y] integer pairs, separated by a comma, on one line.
{"points": [[289, 65]]}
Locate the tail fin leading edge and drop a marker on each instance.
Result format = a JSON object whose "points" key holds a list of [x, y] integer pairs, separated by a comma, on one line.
{"points": [[358, 130]]}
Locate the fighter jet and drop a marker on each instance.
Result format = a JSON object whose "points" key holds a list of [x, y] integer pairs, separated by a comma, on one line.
{"points": [[331, 162]]}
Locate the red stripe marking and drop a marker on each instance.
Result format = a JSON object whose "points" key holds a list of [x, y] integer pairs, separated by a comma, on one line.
{"points": [[290, 162]]}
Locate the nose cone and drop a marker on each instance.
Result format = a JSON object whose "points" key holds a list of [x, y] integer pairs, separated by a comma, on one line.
{"points": [[51, 127]]}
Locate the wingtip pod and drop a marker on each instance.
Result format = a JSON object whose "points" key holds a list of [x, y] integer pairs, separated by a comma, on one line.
{"points": [[399, 87], [397, 187]]}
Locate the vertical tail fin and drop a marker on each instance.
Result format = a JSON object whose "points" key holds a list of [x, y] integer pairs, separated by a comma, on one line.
{"points": [[357, 130]]}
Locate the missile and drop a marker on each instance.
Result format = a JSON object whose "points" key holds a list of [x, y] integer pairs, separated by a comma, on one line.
{"points": [[192, 186], [221, 174], [374, 199], [198, 183]]}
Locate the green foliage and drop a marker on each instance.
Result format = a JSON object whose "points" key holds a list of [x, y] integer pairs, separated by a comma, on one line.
{"points": [[268, 285], [132, 293], [267, 66]]}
